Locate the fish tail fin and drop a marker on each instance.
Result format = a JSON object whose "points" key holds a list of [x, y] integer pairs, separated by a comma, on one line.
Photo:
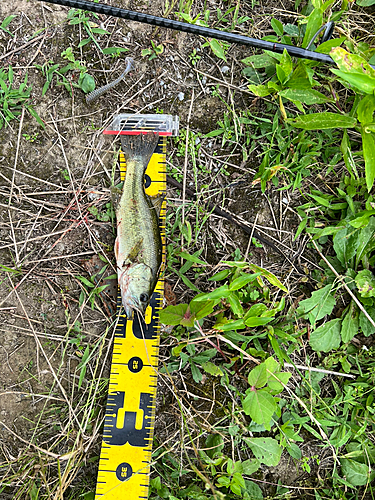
{"points": [[139, 146]]}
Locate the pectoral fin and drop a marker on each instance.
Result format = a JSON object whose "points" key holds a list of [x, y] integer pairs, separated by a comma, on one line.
{"points": [[134, 252], [157, 202]]}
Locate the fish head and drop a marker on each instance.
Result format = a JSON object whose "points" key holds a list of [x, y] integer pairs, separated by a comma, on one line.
{"points": [[136, 285]]}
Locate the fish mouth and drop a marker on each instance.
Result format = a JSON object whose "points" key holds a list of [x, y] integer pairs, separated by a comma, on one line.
{"points": [[128, 312], [130, 305]]}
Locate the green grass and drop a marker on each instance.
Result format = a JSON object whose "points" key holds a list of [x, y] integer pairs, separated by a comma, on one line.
{"points": [[238, 404]]}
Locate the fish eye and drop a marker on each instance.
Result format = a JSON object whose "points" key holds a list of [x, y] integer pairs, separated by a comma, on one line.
{"points": [[144, 297]]}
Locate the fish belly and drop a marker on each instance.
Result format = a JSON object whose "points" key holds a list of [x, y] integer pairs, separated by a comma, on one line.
{"points": [[138, 236]]}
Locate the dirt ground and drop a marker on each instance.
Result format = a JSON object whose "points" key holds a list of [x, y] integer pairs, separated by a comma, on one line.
{"points": [[50, 180]]}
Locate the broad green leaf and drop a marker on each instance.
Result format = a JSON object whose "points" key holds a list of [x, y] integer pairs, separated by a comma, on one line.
{"points": [[362, 220], [368, 143], [291, 29], [320, 200], [365, 3], [258, 90], [188, 319], [224, 481], [273, 86], [260, 405], [366, 109], [221, 275], [253, 490], [365, 282], [318, 305], [253, 322], [250, 466], [215, 133], [114, 50], [345, 243], [277, 27], [322, 121], [269, 276], [326, 337], [285, 68], [327, 4], [306, 96], [255, 310], [88, 496], [351, 63], [258, 376], [294, 451], [212, 369], [326, 47], [356, 473], [231, 325], [87, 83], [315, 21], [221, 292], [365, 240], [217, 49], [172, 315], [202, 309], [276, 383], [259, 61], [214, 444], [242, 281], [197, 376], [366, 326], [272, 365], [235, 304], [350, 323], [302, 77], [266, 450], [364, 83], [3, 86], [84, 42]]}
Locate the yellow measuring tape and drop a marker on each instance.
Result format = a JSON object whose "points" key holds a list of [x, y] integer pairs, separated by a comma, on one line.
{"points": [[125, 458]]}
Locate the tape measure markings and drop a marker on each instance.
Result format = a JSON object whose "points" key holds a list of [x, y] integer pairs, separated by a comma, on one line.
{"points": [[125, 459]]}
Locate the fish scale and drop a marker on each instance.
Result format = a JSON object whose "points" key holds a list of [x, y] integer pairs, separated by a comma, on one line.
{"points": [[124, 465], [138, 244]]}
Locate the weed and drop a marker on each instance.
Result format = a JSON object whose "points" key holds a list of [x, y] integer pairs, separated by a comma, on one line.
{"points": [[295, 82], [30, 138], [80, 17], [153, 52], [92, 290], [4, 25], [85, 82], [194, 57], [13, 99], [103, 215]]}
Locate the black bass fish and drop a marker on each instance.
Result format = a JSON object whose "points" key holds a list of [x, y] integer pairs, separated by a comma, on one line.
{"points": [[138, 246]]}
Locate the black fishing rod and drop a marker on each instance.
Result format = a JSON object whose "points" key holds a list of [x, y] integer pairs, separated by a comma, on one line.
{"points": [[108, 10]]}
